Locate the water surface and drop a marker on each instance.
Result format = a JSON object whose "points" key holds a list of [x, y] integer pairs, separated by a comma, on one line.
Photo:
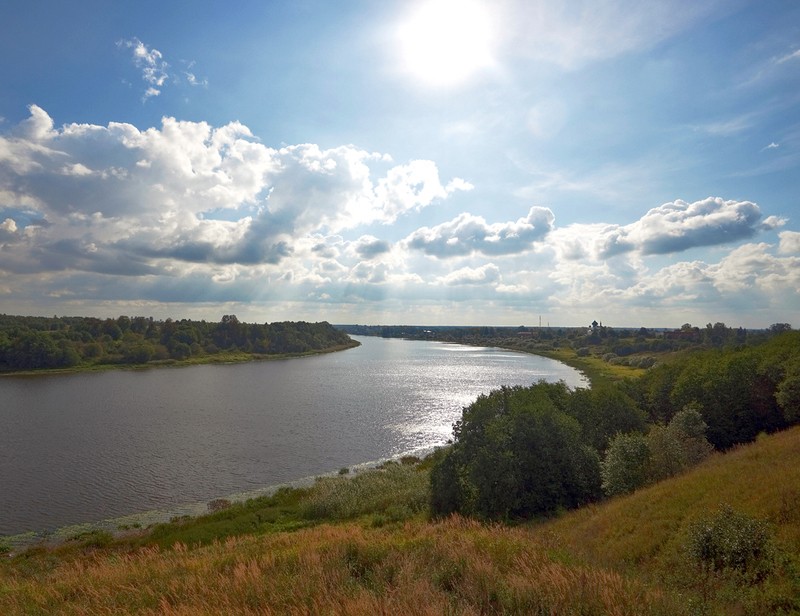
{"points": [[83, 447]]}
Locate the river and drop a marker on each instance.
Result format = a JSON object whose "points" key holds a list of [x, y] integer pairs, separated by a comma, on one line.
{"points": [[77, 448]]}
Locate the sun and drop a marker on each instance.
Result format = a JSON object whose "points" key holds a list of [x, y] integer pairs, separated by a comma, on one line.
{"points": [[444, 42]]}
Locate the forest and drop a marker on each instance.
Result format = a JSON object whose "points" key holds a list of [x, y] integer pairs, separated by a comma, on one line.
{"points": [[33, 343]]}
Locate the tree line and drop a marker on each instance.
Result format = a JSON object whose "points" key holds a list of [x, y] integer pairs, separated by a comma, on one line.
{"points": [[30, 343], [522, 452]]}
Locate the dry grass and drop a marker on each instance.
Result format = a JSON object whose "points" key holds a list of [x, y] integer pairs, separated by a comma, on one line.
{"points": [[626, 556], [646, 534], [452, 567]]}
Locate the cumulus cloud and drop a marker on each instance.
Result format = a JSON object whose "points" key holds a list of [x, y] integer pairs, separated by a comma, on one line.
{"points": [[38, 127], [8, 229], [468, 234], [789, 242], [676, 226], [670, 228], [369, 247], [194, 213], [486, 274], [191, 193]]}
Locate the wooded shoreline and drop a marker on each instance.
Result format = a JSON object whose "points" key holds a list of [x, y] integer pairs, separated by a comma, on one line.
{"points": [[35, 345]]}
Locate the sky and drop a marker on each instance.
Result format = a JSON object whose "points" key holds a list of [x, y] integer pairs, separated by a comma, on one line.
{"points": [[436, 162]]}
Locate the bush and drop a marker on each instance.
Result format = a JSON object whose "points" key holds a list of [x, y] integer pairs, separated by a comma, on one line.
{"points": [[625, 466], [732, 541]]}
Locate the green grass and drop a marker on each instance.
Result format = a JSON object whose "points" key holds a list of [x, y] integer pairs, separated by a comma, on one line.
{"points": [[597, 370], [336, 547]]}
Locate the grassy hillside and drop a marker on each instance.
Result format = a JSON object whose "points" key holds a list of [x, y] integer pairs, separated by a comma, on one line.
{"points": [[625, 556]]}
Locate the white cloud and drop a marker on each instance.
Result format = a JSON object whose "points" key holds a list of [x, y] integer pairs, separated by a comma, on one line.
{"points": [[38, 127], [789, 242], [158, 200], [192, 213], [669, 228], [576, 32], [155, 70], [732, 126], [789, 57], [8, 229], [468, 234], [485, 274]]}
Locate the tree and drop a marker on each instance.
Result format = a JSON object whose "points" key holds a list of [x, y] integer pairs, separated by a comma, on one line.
{"points": [[625, 466], [689, 430], [602, 412], [779, 328], [679, 445], [515, 455], [787, 393]]}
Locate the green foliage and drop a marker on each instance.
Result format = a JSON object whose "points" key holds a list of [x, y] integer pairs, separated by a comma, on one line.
{"points": [[400, 490], [740, 391], [516, 454], [787, 393], [634, 459], [602, 412], [624, 469], [33, 343], [732, 541], [94, 539]]}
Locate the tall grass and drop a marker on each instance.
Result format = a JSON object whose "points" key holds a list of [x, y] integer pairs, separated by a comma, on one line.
{"points": [[452, 567], [395, 492], [647, 534], [630, 555]]}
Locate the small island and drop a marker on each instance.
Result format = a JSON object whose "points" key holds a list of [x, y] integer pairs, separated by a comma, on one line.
{"points": [[86, 343]]}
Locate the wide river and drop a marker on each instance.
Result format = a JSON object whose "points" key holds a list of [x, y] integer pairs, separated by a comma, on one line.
{"points": [[78, 448]]}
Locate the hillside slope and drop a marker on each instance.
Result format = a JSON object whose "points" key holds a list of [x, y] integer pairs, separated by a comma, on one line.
{"points": [[625, 556]]}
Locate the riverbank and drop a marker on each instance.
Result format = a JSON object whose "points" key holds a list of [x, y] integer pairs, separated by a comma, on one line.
{"points": [[301, 553], [141, 524], [224, 357]]}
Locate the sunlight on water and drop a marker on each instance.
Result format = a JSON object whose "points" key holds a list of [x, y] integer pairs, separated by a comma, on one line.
{"points": [[84, 447]]}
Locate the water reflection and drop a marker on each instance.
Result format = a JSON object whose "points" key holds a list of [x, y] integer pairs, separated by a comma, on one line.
{"points": [[85, 447]]}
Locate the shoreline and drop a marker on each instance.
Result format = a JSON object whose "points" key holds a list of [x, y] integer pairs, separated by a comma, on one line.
{"points": [[203, 360], [139, 522], [142, 521]]}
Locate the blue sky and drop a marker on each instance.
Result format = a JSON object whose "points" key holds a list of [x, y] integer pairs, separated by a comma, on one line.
{"points": [[430, 162]]}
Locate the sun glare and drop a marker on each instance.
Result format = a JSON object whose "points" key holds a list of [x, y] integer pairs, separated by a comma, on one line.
{"points": [[443, 42]]}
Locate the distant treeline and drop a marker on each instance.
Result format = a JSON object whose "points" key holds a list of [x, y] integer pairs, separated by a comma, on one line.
{"points": [[616, 339], [30, 343], [637, 347], [528, 451]]}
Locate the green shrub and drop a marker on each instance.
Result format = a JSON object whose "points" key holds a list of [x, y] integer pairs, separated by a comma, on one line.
{"points": [[625, 466], [732, 541]]}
